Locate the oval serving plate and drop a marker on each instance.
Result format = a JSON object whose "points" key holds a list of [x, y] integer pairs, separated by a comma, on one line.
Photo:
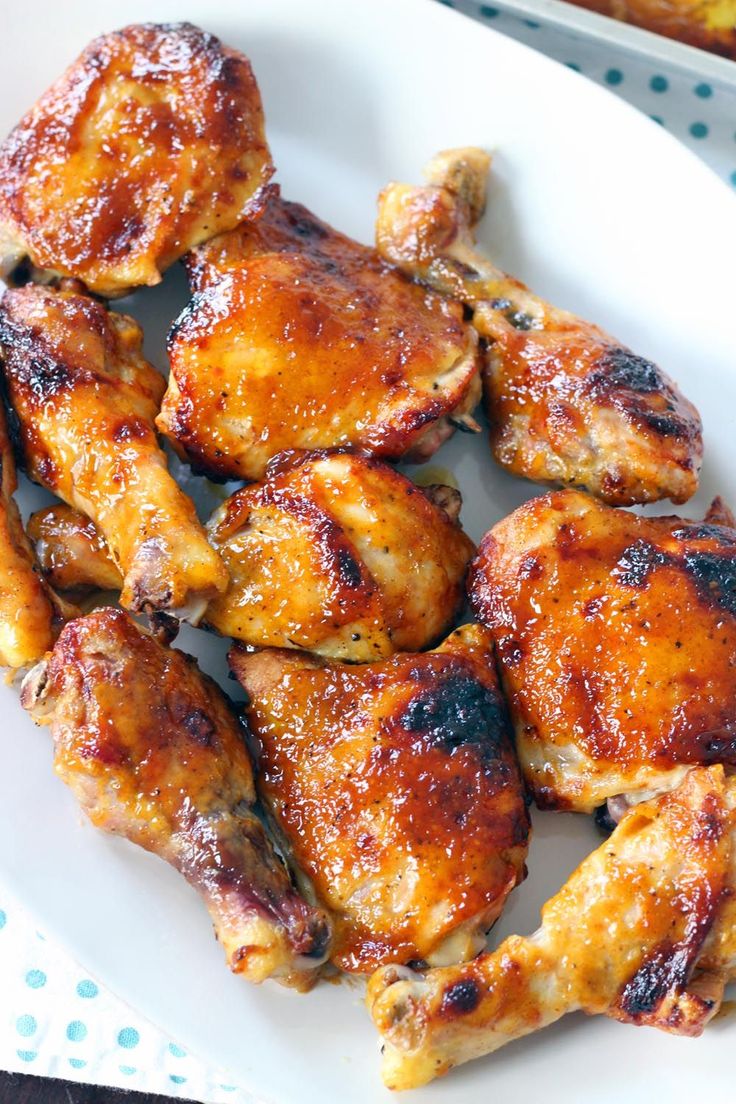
{"points": [[599, 210]]}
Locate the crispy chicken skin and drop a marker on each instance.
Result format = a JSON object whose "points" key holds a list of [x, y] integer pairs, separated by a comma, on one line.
{"points": [[567, 403], [85, 401], [395, 790], [299, 337], [71, 551], [27, 611], [622, 938], [153, 752], [367, 562], [371, 563], [616, 640], [151, 142]]}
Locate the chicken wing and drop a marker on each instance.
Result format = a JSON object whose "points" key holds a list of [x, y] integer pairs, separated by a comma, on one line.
{"points": [[27, 610], [616, 639], [85, 400], [153, 752], [567, 403], [621, 938], [394, 788], [299, 337], [151, 142]]}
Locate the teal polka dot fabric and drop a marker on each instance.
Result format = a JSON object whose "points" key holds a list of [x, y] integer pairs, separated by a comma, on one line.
{"points": [[702, 115], [56, 1021]]}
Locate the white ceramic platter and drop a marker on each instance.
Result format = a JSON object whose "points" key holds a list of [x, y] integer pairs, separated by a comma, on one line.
{"points": [[597, 208]]}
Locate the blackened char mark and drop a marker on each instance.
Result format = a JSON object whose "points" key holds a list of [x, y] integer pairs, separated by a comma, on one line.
{"points": [[639, 388], [457, 709], [199, 726], [619, 367], [666, 425], [665, 971], [303, 223], [718, 746], [705, 530], [714, 574], [460, 998], [637, 562], [351, 574]]}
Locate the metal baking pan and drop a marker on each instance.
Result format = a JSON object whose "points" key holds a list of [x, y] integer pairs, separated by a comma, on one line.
{"points": [[633, 40]]}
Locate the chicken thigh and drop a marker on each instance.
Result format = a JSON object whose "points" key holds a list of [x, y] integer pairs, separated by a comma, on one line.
{"points": [[394, 788], [85, 402], [637, 933], [567, 403], [299, 337], [340, 555], [332, 553], [153, 752], [151, 142], [616, 640], [27, 610]]}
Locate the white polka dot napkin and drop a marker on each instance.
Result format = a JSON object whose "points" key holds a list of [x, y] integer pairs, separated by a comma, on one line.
{"points": [[57, 1021]]}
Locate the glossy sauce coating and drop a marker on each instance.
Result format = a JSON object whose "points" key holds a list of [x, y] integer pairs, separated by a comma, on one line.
{"points": [[151, 142], [26, 608], [71, 551], [299, 337], [340, 555], [567, 403], [623, 938], [616, 638], [153, 752], [84, 401], [396, 792]]}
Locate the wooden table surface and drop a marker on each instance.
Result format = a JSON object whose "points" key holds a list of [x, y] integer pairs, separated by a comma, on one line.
{"points": [[16, 1088]]}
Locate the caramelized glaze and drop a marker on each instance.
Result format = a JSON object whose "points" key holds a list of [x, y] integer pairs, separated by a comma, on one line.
{"points": [[26, 608], [153, 752], [151, 142], [616, 638], [299, 337], [85, 400], [567, 403], [625, 937], [71, 551], [395, 790], [338, 554]]}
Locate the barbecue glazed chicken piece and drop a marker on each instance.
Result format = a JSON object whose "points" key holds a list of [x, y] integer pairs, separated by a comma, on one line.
{"points": [[299, 337], [616, 640], [394, 789], [85, 400], [27, 610], [340, 555], [71, 551], [153, 752], [567, 403], [636, 933], [371, 564], [151, 142]]}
